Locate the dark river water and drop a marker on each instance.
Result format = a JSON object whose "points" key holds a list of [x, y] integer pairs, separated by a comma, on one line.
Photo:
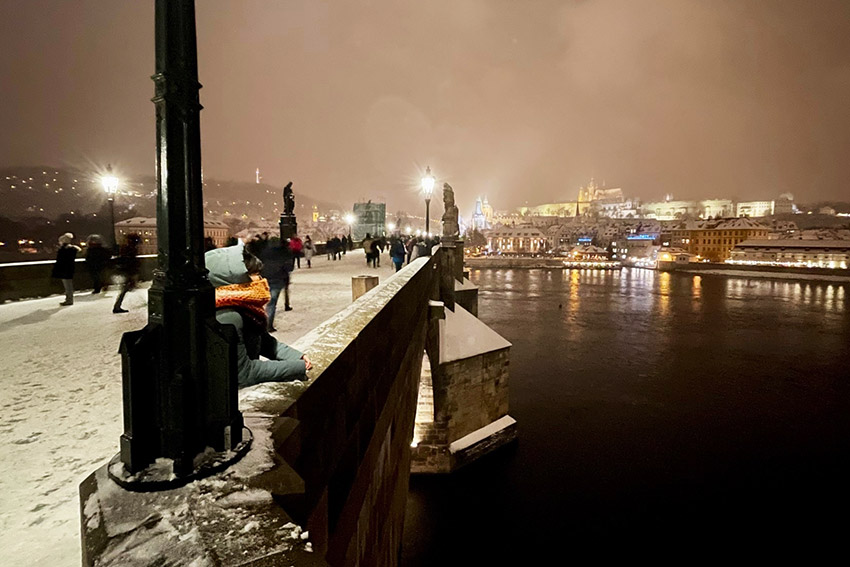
{"points": [[655, 411]]}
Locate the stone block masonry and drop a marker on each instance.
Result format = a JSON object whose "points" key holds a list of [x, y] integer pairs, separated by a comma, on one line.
{"points": [[469, 395], [473, 392]]}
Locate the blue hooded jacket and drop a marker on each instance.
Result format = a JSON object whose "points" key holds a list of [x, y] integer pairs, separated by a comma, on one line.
{"points": [[226, 266]]}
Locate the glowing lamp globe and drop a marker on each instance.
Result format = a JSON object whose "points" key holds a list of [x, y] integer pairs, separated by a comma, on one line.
{"points": [[109, 182], [427, 183]]}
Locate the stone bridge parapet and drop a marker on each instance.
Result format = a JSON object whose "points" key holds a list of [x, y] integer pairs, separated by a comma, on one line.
{"points": [[325, 481]]}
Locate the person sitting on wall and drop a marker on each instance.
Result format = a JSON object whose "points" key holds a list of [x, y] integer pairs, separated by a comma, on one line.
{"points": [[240, 298]]}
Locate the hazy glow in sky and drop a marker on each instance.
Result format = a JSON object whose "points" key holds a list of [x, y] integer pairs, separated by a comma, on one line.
{"points": [[521, 101]]}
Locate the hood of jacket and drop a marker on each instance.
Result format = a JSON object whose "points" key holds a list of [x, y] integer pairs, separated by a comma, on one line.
{"points": [[226, 265]]}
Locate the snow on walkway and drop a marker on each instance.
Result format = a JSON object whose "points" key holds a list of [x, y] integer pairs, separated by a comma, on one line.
{"points": [[60, 394]]}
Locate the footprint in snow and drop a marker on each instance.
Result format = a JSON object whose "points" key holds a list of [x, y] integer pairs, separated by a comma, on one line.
{"points": [[26, 440]]}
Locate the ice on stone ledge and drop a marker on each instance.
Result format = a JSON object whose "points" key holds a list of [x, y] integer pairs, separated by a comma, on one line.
{"points": [[252, 525]]}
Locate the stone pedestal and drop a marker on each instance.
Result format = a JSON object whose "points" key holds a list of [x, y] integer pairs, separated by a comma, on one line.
{"points": [[288, 226], [446, 270], [457, 265], [362, 284]]}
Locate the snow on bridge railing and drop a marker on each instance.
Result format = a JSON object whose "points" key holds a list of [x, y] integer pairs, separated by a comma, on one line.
{"points": [[27, 280]]}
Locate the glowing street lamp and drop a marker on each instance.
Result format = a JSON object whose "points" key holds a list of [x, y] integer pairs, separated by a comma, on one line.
{"points": [[427, 185], [349, 220], [110, 185]]}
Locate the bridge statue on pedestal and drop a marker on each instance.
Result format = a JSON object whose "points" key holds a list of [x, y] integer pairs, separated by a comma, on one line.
{"points": [[288, 223]]}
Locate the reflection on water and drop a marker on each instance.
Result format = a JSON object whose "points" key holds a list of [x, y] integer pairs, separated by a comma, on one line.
{"points": [[663, 293], [575, 281], [652, 403]]}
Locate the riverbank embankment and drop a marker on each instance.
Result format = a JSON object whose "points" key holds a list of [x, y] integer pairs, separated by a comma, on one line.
{"points": [[773, 272]]}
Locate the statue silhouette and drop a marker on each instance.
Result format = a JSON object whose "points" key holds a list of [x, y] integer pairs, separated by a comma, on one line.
{"points": [[288, 199]]}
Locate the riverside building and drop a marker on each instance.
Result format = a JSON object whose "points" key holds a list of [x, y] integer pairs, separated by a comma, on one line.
{"points": [[523, 239], [793, 253], [714, 240], [145, 227]]}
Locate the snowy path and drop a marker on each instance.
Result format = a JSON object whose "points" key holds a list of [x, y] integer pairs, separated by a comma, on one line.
{"points": [[60, 394]]}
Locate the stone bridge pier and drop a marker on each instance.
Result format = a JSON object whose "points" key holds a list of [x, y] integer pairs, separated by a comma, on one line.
{"points": [[462, 407]]}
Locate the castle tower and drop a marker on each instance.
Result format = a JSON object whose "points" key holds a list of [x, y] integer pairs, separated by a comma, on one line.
{"points": [[479, 222], [487, 210]]}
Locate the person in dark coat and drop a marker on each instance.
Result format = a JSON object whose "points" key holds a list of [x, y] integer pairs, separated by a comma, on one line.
{"points": [[367, 249], [375, 252], [128, 267], [239, 300], [278, 263], [344, 244], [63, 269], [97, 257], [333, 247], [397, 252]]}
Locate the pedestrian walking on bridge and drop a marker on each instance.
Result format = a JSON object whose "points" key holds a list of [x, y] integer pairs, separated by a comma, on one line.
{"points": [[278, 263], [128, 267], [63, 269], [97, 257]]}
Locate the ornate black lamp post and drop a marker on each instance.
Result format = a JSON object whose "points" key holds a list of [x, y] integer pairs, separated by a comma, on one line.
{"points": [[110, 185], [179, 372], [427, 185]]}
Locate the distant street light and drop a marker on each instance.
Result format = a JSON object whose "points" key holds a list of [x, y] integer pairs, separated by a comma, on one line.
{"points": [[427, 185], [349, 220], [110, 185]]}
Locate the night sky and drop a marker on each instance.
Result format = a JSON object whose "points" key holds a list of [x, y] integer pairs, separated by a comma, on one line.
{"points": [[521, 101]]}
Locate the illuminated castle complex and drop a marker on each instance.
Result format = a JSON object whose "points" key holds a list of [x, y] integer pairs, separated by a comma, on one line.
{"points": [[608, 201]]}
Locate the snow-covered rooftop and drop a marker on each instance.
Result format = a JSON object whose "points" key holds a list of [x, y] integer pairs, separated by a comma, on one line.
{"points": [[794, 243]]}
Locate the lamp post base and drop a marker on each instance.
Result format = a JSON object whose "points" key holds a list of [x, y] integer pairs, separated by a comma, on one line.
{"points": [[160, 474]]}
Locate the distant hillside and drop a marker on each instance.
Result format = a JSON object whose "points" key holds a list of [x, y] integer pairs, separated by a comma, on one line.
{"points": [[49, 191], [39, 203], [259, 201]]}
